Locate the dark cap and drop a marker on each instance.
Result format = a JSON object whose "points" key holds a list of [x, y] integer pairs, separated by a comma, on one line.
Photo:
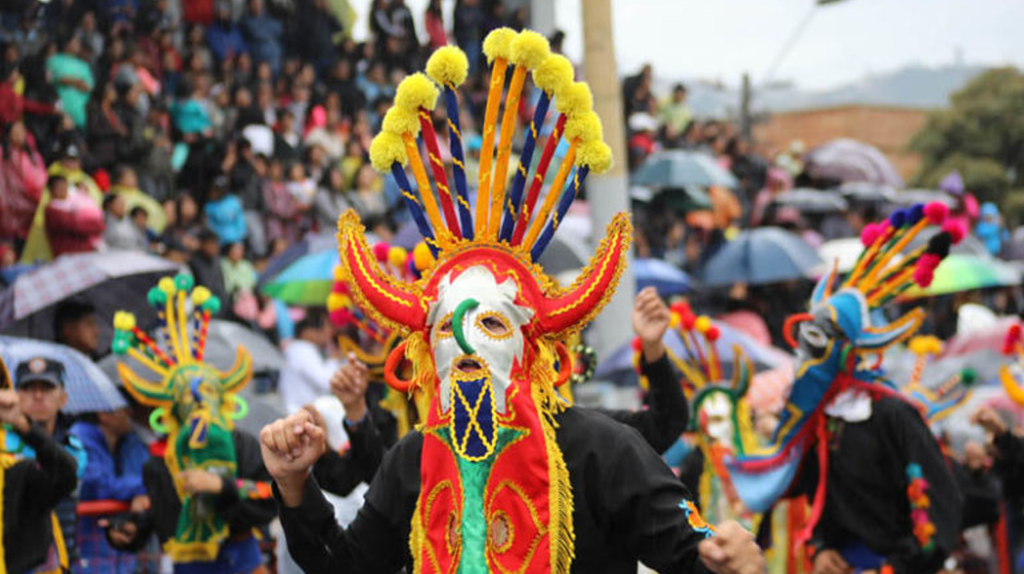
{"points": [[39, 369]]}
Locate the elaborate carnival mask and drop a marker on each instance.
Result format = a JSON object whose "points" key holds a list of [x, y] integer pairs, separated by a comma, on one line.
{"points": [[836, 342], [196, 404], [484, 319]]}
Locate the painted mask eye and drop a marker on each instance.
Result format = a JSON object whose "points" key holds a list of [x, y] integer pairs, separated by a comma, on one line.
{"points": [[445, 328], [813, 336], [494, 325]]}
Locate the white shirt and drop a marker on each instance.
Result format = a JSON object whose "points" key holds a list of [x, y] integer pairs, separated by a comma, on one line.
{"points": [[306, 375]]}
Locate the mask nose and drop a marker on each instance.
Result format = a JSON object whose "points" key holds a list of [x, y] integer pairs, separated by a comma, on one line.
{"points": [[458, 324]]}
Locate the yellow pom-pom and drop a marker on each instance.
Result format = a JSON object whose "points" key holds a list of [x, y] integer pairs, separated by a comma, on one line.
{"points": [[401, 121], [925, 345], [584, 127], [498, 44], [200, 295], [339, 274], [422, 258], [529, 49], [554, 74], [596, 155], [574, 99], [397, 256], [167, 285], [334, 302], [702, 324], [124, 321], [674, 320], [416, 91], [385, 149], [448, 66]]}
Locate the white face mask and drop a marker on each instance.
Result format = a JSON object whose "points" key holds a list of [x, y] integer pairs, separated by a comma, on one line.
{"points": [[492, 328], [718, 410]]}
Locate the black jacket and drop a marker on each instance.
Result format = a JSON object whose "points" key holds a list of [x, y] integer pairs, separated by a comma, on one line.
{"points": [[32, 488], [339, 473], [667, 412], [626, 507]]}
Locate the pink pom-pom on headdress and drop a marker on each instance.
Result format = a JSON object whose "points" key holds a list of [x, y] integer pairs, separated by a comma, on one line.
{"points": [[936, 212], [929, 261], [955, 229], [380, 251], [870, 233], [341, 317], [924, 276]]}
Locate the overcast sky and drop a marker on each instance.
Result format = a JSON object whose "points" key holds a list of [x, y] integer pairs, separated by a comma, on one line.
{"points": [[720, 39]]}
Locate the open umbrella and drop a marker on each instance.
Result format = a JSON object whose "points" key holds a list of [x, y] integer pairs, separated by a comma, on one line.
{"points": [[846, 160], [762, 255], [89, 388], [867, 192], [807, 200], [679, 168], [618, 367], [991, 338], [666, 278], [960, 272], [682, 199], [112, 281], [305, 246], [307, 281]]}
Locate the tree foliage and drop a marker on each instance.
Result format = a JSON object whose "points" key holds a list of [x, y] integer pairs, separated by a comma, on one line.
{"points": [[981, 134]]}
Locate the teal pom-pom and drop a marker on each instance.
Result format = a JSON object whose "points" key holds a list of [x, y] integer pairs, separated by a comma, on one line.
{"points": [[120, 345], [968, 376], [184, 282], [156, 297], [212, 305]]}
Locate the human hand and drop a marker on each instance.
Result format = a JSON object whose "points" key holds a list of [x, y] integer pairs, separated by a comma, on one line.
{"points": [[650, 321], [349, 384], [10, 411], [199, 481], [122, 534], [732, 551], [289, 447], [830, 562], [988, 419], [975, 457], [140, 503], [318, 418]]}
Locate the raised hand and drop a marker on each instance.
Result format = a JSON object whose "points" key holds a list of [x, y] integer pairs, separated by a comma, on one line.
{"points": [[732, 551], [289, 447], [650, 321], [988, 419], [349, 384], [10, 411]]}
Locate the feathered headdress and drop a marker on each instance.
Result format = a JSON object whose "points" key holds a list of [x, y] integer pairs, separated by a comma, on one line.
{"points": [[501, 237], [1010, 375], [196, 404]]}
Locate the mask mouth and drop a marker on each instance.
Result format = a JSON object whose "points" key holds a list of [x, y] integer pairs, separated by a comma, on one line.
{"points": [[468, 365]]}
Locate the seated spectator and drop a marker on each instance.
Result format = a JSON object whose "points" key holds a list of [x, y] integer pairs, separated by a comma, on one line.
{"points": [[287, 144], [74, 224], [263, 35], [205, 264], [300, 186], [306, 374], [284, 213], [74, 325], [115, 455], [224, 213], [367, 196], [72, 78], [22, 178], [140, 219], [223, 37], [240, 281], [121, 232], [331, 200]]}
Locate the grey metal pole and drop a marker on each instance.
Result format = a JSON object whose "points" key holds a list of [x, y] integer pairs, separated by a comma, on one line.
{"points": [[607, 193]]}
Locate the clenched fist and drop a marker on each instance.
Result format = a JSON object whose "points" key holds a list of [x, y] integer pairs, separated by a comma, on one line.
{"points": [[289, 447], [732, 551], [349, 384], [650, 321]]}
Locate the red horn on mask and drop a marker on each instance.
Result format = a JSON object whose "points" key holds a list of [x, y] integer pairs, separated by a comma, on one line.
{"points": [[595, 286], [399, 305]]}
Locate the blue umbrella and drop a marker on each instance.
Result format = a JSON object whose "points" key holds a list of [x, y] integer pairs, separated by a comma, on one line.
{"points": [[680, 169], [89, 389], [666, 278], [618, 367], [760, 256], [307, 245]]}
